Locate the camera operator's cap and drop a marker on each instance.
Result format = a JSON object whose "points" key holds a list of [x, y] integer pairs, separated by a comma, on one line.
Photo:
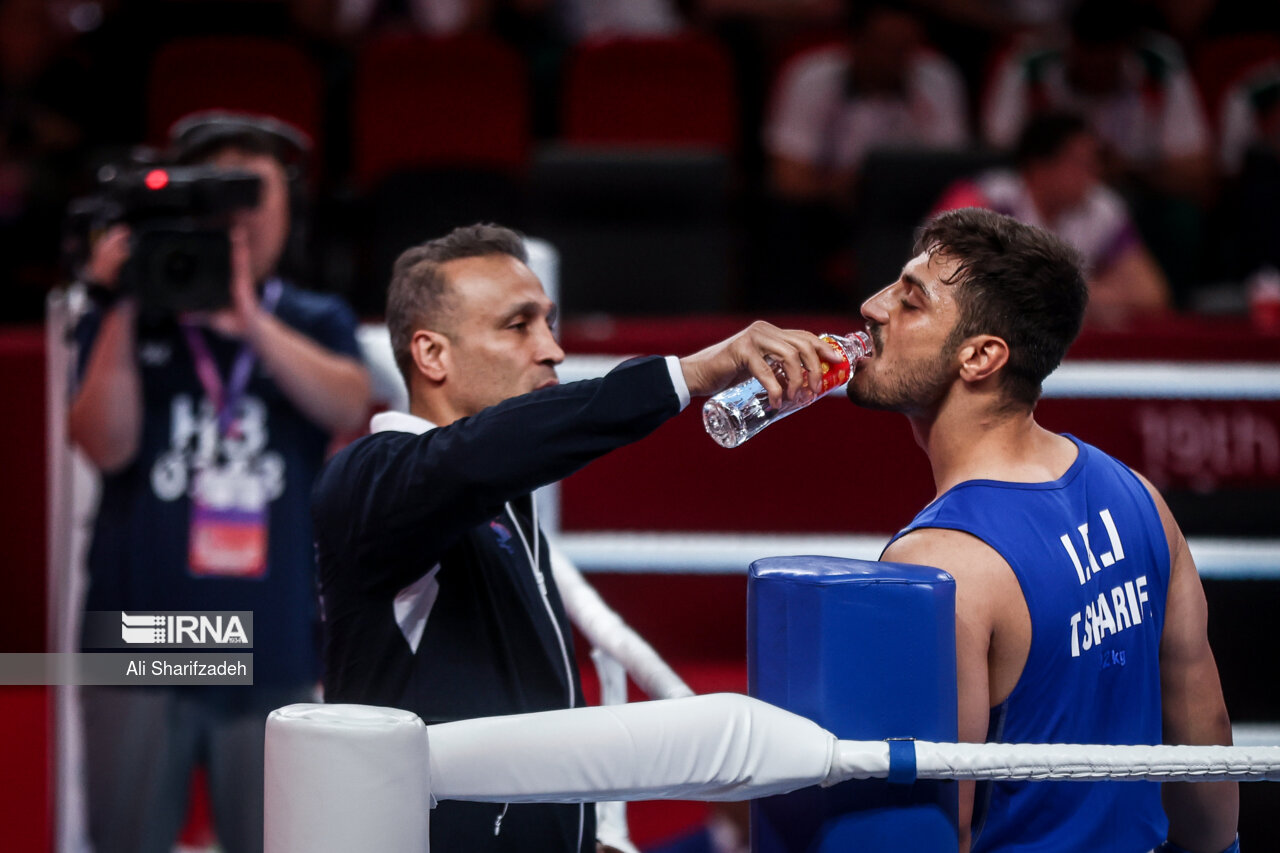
{"points": [[197, 134]]}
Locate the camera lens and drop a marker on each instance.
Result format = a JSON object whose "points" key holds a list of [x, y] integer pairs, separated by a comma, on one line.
{"points": [[183, 268], [179, 267]]}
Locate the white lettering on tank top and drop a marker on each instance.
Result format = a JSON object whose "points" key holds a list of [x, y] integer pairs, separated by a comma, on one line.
{"points": [[1116, 609]]}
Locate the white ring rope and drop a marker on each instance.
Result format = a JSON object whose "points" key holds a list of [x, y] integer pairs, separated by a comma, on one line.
{"points": [[1082, 762], [606, 631], [344, 777], [733, 747], [617, 651]]}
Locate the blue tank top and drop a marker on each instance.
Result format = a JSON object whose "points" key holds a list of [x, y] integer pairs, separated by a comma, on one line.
{"points": [[1090, 554]]}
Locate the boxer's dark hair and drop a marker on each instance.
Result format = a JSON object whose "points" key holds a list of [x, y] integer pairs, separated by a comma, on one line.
{"points": [[1015, 281]]}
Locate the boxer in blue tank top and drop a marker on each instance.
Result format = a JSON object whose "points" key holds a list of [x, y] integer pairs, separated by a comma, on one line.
{"points": [[1080, 617]]}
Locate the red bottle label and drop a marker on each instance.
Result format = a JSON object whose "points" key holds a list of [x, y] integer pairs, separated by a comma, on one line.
{"points": [[835, 375]]}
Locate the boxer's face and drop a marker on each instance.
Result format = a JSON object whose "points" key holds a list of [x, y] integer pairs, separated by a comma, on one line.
{"points": [[500, 341], [910, 324]]}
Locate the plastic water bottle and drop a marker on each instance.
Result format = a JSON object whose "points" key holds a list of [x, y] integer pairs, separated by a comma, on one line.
{"points": [[735, 414]]}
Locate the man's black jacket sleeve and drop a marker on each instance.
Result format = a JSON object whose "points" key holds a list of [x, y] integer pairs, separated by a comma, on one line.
{"points": [[388, 493]]}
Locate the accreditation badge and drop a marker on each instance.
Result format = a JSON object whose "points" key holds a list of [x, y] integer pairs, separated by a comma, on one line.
{"points": [[228, 532]]}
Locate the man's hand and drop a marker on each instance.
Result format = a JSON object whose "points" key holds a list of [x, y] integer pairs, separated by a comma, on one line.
{"points": [[329, 388], [244, 293], [244, 318], [244, 297], [747, 353], [107, 257]]}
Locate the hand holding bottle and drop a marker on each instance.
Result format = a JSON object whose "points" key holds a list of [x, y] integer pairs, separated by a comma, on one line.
{"points": [[735, 414], [753, 352]]}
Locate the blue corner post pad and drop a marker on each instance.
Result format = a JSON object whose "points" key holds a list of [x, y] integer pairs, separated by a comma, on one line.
{"points": [[902, 760]]}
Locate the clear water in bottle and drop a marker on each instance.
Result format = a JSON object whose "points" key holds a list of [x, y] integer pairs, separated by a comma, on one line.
{"points": [[736, 414]]}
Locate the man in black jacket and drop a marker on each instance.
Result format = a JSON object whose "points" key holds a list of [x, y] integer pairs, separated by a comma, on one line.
{"points": [[435, 578]]}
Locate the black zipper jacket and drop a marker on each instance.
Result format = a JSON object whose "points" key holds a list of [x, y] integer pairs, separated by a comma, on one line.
{"points": [[432, 575]]}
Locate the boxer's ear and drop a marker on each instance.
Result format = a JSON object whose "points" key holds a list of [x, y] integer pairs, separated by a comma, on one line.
{"points": [[982, 357]]}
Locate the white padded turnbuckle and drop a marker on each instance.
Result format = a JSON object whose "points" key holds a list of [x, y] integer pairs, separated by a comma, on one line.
{"points": [[346, 777]]}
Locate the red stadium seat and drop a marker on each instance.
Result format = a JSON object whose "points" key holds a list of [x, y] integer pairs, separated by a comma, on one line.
{"points": [[669, 91], [429, 102], [247, 73], [440, 138], [636, 193]]}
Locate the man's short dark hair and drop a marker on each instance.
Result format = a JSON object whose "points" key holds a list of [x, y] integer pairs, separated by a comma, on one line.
{"points": [[1016, 281], [1045, 135], [418, 295]]}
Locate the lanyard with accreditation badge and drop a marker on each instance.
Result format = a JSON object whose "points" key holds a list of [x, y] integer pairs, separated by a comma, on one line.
{"points": [[228, 528]]}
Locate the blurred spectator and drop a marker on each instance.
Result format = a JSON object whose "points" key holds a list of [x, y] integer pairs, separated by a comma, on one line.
{"points": [[972, 33], [882, 87], [759, 35], [1134, 87], [1057, 185]]}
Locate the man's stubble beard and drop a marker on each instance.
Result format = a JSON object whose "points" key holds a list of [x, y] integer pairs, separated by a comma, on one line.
{"points": [[918, 389]]}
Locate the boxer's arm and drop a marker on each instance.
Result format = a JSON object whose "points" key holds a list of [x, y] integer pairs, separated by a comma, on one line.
{"points": [[1202, 816], [988, 658], [105, 417]]}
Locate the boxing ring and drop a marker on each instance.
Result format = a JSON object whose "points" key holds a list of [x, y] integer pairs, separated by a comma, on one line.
{"points": [[381, 768], [342, 777], [733, 747], [430, 763]]}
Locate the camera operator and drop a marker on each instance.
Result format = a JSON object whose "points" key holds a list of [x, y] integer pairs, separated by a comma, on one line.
{"points": [[208, 428]]}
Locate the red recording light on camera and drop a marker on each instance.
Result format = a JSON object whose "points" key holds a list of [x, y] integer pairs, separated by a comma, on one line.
{"points": [[157, 179]]}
